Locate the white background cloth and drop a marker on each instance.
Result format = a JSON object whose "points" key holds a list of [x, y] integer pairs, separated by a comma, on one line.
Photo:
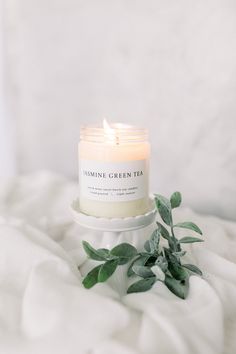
{"points": [[45, 309], [7, 154], [165, 65]]}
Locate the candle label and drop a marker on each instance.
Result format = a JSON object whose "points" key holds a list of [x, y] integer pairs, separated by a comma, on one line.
{"points": [[113, 181]]}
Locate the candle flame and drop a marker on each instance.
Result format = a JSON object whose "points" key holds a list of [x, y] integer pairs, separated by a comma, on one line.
{"points": [[107, 128], [110, 133]]}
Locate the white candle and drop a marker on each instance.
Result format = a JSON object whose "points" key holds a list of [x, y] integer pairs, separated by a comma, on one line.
{"points": [[113, 170]]}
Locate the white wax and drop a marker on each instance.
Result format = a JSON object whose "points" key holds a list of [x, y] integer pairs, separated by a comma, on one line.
{"points": [[126, 154]]}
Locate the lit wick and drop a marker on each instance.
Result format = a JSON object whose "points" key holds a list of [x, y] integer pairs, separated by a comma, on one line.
{"points": [[110, 133]]}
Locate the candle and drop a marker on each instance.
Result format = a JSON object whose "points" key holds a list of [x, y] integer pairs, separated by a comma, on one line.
{"points": [[113, 170]]}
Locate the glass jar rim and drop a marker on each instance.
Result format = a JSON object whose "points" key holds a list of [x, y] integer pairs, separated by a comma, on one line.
{"points": [[117, 132]]}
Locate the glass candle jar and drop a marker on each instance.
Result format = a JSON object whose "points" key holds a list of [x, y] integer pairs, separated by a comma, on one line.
{"points": [[114, 170]]}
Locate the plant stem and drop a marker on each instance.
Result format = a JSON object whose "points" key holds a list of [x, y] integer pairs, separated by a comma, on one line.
{"points": [[174, 238]]}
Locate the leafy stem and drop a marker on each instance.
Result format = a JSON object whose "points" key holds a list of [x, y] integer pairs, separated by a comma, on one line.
{"points": [[154, 263], [174, 238]]}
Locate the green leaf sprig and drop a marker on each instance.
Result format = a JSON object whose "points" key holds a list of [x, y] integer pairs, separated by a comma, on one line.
{"points": [[154, 263]]}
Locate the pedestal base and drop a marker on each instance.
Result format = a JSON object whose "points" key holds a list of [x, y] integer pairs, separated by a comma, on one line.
{"points": [[113, 224]]}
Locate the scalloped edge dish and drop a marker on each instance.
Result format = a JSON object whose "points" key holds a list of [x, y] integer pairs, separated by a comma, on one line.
{"points": [[113, 224]]}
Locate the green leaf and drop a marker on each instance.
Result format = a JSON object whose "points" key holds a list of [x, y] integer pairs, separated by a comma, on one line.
{"points": [[91, 278], [141, 285], [97, 255], [189, 239], [162, 263], [125, 252], [147, 246], [171, 258], [151, 261], [153, 264], [190, 226], [164, 207], [175, 200], [171, 244], [158, 272], [193, 268], [138, 261], [107, 269], [164, 232], [142, 271], [152, 246], [179, 288], [144, 254], [123, 260], [104, 252], [177, 271], [154, 241], [179, 254]]}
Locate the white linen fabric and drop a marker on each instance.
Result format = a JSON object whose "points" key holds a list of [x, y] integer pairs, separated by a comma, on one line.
{"points": [[45, 309]]}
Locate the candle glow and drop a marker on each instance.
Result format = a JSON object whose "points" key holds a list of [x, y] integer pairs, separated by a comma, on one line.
{"points": [[113, 170], [110, 134]]}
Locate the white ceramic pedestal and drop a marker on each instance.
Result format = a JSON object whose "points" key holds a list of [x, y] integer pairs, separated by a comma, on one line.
{"points": [[114, 231], [112, 227]]}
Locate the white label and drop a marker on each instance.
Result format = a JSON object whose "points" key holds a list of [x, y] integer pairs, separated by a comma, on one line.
{"points": [[113, 181]]}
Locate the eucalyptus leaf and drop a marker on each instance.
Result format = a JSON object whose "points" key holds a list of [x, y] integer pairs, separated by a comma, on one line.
{"points": [[164, 232], [124, 251], [160, 275], [151, 261], [193, 268], [177, 271], [179, 254], [123, 260], [141, 285], [171, 244], [147, 246], [107, 269], [104, 252], [152, 246], [155, 262], [142, 271], [91, 278], [164, 207], [141, 260], [190, 226], [155, 239], [175, 200], [189, 239], [144, 254], [97, 255], [162, 263], [171, 258], [179, 288]]}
